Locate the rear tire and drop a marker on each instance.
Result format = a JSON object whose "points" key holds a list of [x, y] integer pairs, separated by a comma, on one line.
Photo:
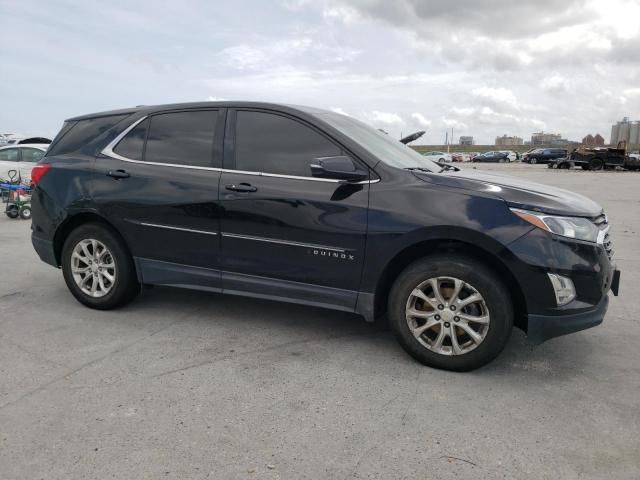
{"points": [[596, 164], [12, 211], [117, 263], [465, 353]]}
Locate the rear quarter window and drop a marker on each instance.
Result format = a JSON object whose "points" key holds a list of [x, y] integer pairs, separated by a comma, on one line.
{"points": [[82, 132]]}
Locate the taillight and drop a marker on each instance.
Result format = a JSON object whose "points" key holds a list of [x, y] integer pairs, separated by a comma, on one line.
{"points": [[38, 172]]}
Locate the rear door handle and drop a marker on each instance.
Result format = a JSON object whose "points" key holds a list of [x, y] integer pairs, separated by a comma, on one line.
{"points": [[242, 187], [117, 174]]}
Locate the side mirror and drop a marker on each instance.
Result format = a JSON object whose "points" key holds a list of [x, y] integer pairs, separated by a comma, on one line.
{"points": [[339, 167]]}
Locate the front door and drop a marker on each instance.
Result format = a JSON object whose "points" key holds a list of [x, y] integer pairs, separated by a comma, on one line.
{"points": [[284, 232], [159, 186]]}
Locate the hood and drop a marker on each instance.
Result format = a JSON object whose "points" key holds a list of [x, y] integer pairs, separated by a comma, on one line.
{"points": [[517, 192]]}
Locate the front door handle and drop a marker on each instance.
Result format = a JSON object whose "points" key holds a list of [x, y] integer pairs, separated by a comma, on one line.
{"points": [[118, 174], [242, 187]]}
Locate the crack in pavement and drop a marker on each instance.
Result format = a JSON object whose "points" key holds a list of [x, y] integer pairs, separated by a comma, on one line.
{"points": [[94, 361]]}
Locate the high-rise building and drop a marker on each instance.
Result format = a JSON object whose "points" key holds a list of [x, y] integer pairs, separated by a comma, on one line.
{"points": [[506, 140], [466, 140], [626, 130]]}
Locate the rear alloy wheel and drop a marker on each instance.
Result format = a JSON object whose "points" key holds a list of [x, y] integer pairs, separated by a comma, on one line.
{"points": [[451, 312], [97, 268]]}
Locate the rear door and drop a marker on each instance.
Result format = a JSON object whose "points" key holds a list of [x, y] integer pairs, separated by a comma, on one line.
{"points": [[284, 232], [159, 184]]}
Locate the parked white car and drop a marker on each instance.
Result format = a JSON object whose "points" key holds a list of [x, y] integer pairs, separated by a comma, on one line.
{"points": [[511, 155], [21, 159], [438, 156]]}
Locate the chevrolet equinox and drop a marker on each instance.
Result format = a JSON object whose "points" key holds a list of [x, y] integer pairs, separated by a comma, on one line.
{"points": [[313, 207]]}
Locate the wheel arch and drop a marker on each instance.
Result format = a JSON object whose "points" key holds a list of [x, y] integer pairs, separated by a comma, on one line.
{"points": [[74, 221], [411, 253]]}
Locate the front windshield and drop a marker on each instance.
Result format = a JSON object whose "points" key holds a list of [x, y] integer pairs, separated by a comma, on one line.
{"points": [[383, 146]]}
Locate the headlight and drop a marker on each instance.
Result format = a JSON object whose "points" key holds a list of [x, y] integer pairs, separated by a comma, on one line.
{"points": [[572, 227]]}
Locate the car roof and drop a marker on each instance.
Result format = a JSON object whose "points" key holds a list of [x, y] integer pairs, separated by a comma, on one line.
{"points": [[225, 104]]}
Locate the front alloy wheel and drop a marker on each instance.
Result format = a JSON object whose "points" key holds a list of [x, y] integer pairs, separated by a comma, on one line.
{"points": [[451, 311], [447, 316]]}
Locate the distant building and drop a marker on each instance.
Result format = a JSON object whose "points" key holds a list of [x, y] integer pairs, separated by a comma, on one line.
{"points": [[626, 130], [466, 140], [597, 140], [507, 141], [541, 138]]}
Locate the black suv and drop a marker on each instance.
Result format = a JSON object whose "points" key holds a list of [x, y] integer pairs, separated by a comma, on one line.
{"points": [[313, 207], [544, 155]]}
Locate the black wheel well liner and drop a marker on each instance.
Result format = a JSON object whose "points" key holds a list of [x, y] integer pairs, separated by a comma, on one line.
{"points": [[416, 251], [73, 222]]}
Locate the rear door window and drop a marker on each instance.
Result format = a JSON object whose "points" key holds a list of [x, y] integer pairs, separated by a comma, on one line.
{"points": [[270, 143], [32, 155], [181, 138], [132, 145]]}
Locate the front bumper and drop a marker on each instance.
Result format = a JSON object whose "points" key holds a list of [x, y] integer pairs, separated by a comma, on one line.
{"points": [[544, 327]]}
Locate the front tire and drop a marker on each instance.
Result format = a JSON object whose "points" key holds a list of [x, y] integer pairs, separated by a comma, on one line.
{"points": [[451, 312], [25, 212], [97, 268]]}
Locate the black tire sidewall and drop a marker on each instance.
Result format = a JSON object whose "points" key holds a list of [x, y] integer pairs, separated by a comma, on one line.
{"points": [[480, 277], [12, 211], [126, 285]]}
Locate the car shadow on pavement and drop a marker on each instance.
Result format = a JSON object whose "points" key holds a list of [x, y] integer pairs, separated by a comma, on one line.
{"points": [[289, 324]]}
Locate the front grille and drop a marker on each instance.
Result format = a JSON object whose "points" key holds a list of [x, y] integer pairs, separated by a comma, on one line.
{"points": [[602, 223]]}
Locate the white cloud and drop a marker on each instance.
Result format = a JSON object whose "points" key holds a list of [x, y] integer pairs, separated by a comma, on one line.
{"points": [[421, 120], [498, 95], [385, 118], [455, 124], [555, 83]]}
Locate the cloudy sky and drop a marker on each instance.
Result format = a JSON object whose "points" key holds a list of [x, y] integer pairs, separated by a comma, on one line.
{"points": [[481, 67]]}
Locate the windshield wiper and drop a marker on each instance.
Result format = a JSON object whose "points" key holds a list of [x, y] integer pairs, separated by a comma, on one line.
{"points": [[422, 169], [447, 166]]}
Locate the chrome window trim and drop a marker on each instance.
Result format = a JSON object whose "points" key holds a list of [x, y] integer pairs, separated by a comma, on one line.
{"points": [[181, 229], [284, 242], [108, 151]]}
